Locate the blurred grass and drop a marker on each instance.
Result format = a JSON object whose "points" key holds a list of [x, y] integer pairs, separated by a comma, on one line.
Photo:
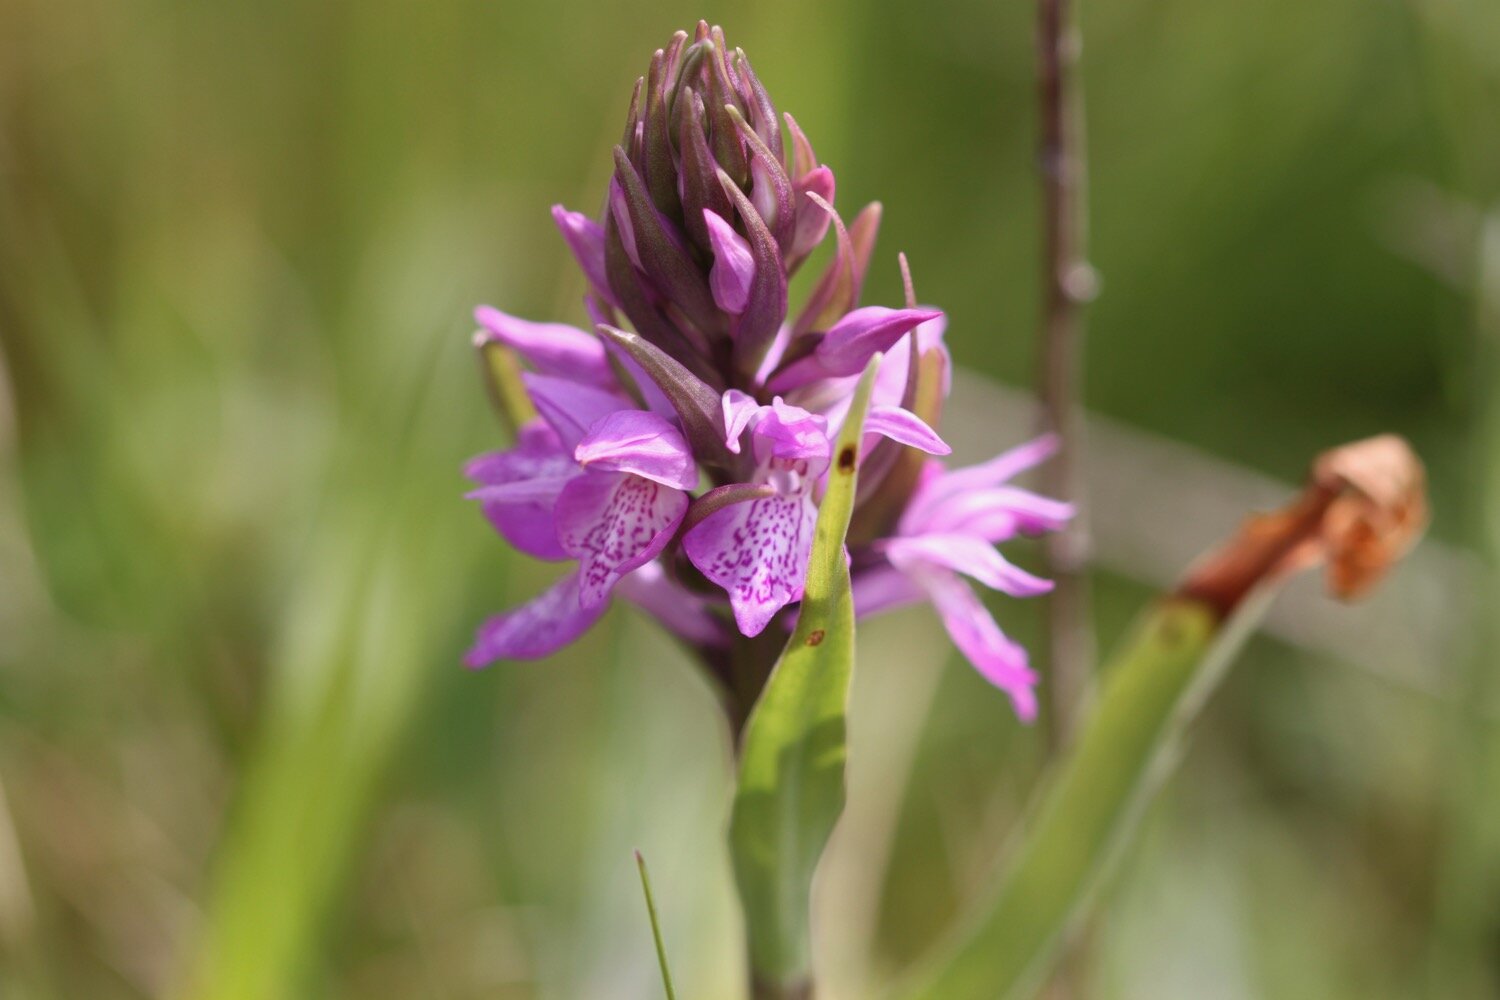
{"points": [[238, 246]]}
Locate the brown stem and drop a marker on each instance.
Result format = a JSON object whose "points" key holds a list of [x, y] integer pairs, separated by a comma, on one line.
{"points": [[761, 989], [1069, 282]]}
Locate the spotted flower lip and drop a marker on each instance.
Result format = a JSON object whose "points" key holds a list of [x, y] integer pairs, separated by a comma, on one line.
{"points": [[682, 442], [758, 550]]}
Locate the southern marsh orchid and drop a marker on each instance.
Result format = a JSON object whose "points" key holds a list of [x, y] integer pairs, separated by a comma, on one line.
{"points": [[682, 447], [759, 475]]}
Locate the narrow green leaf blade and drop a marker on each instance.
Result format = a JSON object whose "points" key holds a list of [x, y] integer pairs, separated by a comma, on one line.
{"points": [[791, 782], [1155, 685], [661, 949]]}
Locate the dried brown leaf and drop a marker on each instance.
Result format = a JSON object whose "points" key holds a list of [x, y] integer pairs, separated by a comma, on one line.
{"points": [[1364, 507]]}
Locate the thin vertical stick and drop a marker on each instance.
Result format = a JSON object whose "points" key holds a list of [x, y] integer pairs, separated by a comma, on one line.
{"points": [[1069, 283], [661, 951]]}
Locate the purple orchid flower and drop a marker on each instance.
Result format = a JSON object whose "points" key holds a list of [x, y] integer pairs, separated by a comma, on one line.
{"points": [[592, 481], [757, 550], [949, 531], [683, 444]]}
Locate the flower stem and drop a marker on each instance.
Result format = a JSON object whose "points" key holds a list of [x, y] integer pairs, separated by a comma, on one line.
{"points": [[1069, 283]]}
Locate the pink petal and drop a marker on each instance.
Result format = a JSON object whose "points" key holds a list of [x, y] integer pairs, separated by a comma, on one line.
{"points": [[890, 381], [734, 266], [522, 491], [550, 348], [739, 409], [883, 588], [850, 344], [863, 333], [969, 555], [518, 488], [536, 629], [569, 407], [537, 453], [997, 470], [790, 432], [996, 514], [640, 443], [612, 523], [905, 427], [585, 238], [999, 660], [757, 551]]}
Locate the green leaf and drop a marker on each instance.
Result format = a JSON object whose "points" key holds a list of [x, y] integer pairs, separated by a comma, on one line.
{"points": [[791, 782], [1086, 812]]}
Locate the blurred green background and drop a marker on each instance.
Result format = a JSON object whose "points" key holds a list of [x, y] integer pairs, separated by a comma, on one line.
{"points": [[238, 247]]}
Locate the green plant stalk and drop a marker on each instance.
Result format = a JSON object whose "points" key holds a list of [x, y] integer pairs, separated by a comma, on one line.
{"points": [[661, 949], [1150, 691], [1466, 906], [502, 381], [791, 781]]}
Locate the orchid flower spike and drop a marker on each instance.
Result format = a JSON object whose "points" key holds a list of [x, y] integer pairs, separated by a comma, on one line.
{"points": [[682, 445]]}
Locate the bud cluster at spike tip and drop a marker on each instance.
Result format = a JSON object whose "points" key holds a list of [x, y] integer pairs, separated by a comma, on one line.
{"points": [[681, 447]]}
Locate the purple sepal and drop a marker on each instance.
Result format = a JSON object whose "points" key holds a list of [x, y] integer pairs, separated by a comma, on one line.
{"points": [[550, 348], [931, 505], [904, 427], [999, 660], [536, 629], [619, 210], [755, 329], [517, 489], [585, 238], [846, 348], [863, 333], [569, 407], [966, 554], [837, 290]]}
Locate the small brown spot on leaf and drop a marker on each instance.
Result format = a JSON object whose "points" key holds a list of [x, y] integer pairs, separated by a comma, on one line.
{"points": [[846, 460], [815, 637]]}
